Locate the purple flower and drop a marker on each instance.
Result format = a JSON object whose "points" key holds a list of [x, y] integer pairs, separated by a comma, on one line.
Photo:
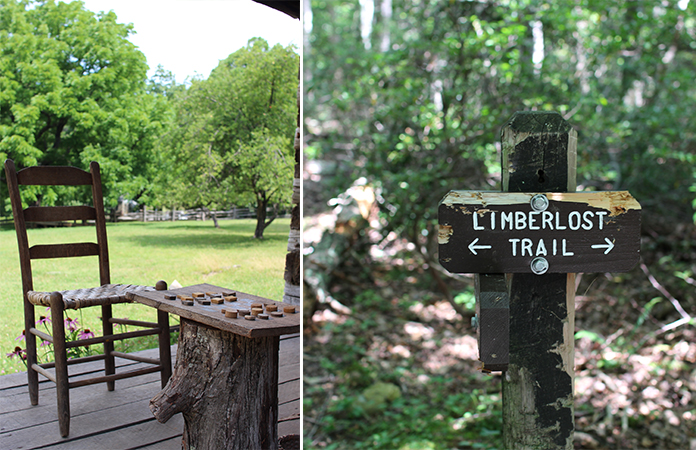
{"points": [[44, 343], [21, 337], [85, 334], [18, 352], [72, 324], [43, 320]]}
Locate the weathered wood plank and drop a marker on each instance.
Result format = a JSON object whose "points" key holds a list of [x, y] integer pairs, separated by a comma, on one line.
{"points": [[494, 232], [59, 213], [82, 424], [288, 427], [95, 407], [211, 315], [539, 154], [54, 175], [48, 251], [162, 436]]}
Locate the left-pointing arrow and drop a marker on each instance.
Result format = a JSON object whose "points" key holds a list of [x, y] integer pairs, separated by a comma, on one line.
{"points": [[473, 247], [609, 245]]}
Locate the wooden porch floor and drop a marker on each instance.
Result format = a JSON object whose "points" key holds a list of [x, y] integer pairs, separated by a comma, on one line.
{"points": [[120, 419]]}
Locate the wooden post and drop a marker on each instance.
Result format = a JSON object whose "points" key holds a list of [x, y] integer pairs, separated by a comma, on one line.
{"points": [[539, 155], [292, 259]]}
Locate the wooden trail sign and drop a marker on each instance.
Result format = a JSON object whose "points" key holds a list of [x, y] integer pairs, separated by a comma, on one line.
{"points": [[495, 232], [525, 246]]}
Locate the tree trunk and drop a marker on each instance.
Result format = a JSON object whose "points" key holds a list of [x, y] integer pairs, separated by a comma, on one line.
{"points": [[261, 205], [212, 216], [226, 387]]}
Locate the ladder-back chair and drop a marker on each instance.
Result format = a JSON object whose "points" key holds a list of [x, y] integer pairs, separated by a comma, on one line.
{"points": [[104, 295]]}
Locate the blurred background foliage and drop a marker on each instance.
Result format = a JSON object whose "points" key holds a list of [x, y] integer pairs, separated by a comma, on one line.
{"points": [[406, 100], [417, 104]]}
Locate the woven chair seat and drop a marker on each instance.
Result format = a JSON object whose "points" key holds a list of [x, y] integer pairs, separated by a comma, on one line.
{"points": [[82, 298]]}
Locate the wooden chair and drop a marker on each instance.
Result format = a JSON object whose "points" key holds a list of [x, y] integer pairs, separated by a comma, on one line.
{"points": [[104, 295]]}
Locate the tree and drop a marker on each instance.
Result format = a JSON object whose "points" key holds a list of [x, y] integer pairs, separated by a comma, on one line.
{"points": [[231, 138], [72, 90], [421, 115]]}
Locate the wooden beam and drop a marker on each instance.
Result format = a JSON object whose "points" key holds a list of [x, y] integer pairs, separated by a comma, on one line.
{"points": [[539, 155]]}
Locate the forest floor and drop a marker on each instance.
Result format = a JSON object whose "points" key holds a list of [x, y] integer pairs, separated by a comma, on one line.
{"points": [[390, 364]]}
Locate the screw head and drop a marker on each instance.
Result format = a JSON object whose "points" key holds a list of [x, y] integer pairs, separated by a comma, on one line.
{"points": [[539, 265], [539, 202]]}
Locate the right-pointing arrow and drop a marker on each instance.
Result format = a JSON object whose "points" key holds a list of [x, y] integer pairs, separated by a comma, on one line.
{"points": [[473, 247], [609, 245]]}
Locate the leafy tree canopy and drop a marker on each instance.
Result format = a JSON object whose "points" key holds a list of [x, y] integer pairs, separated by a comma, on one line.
{"points": [[72, 90], [230, 141], [416, 95]]}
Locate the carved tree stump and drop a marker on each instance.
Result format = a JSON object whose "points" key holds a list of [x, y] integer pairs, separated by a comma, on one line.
{"points": [[226, 386]]}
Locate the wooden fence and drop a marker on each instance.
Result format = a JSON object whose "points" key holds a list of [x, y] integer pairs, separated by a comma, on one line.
{"points": [[155, 215]]}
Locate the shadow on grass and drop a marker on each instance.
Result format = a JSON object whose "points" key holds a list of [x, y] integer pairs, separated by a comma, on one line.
{"points": [[237, 235]]}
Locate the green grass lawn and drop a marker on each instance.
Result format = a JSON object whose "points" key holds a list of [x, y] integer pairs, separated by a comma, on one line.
{"points": [[142, 253]]}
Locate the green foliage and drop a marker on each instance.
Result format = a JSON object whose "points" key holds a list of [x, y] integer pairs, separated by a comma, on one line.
{"points": [[376, 398], [467, 299], [72, 90], [420, 116], [381, 401], [231, 139], [439, 417]]}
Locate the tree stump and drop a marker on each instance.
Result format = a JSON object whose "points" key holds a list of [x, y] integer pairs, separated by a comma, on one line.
{"points": [[226, 387]]}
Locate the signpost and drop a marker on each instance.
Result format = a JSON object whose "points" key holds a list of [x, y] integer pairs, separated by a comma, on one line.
{"points": [[490, 232], [525, 246]]}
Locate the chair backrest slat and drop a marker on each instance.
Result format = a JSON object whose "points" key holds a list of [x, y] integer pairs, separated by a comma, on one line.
{"points": [[53, 176], [59, 213], [48, 251], [57, 176]]}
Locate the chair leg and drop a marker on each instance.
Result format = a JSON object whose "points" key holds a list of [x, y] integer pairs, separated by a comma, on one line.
{"points": [[165, 352], [32, 375], [109, 362], [62, 393]]}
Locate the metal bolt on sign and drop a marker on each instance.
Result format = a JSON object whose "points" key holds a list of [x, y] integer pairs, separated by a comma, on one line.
{"points": [[539, 265], [539, 202]]}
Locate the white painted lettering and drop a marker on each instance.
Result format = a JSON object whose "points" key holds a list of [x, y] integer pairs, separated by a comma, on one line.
{"points": [[532, 220], [492, 220], [514, 245], [586, 218], [506, 218], [541, 248], [574, 216], [526, 246], [520, 220], [558, 222], [565, 252], [601, 221], [476, 225], [547, 220], [555, 248]]}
